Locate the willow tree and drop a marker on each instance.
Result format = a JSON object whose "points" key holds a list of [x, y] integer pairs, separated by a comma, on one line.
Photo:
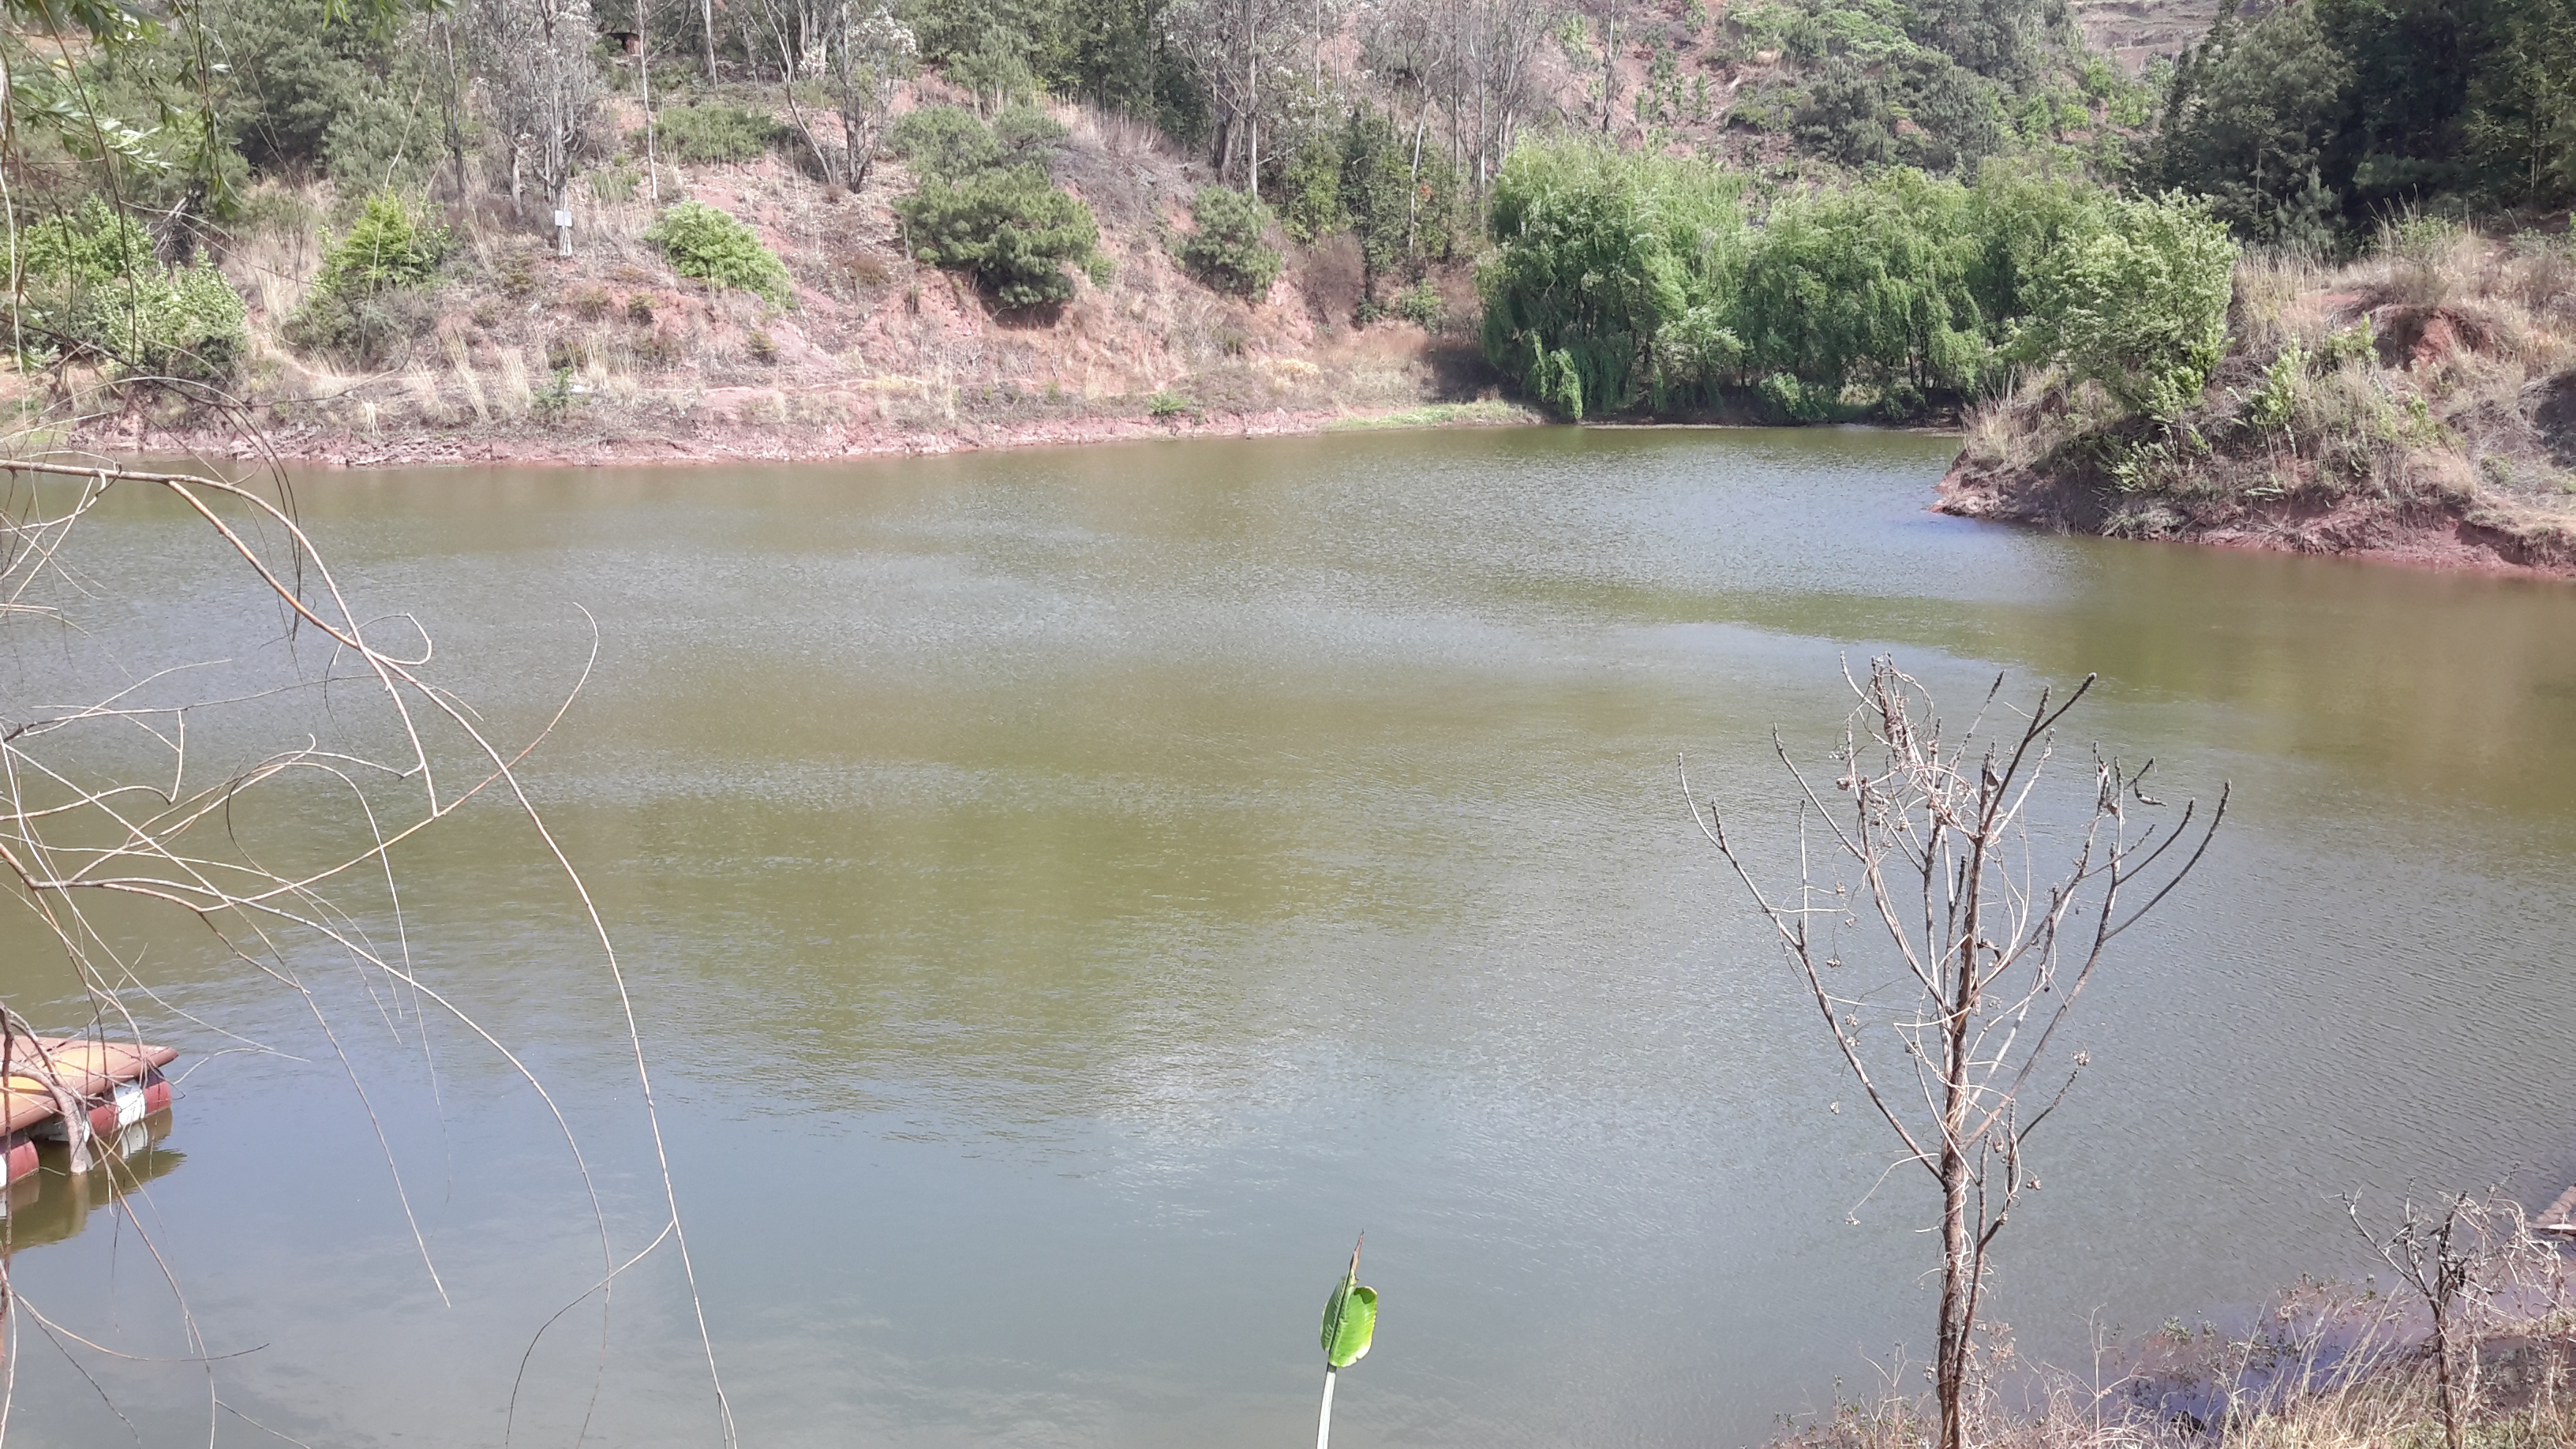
{"points": [[1945, 959]]}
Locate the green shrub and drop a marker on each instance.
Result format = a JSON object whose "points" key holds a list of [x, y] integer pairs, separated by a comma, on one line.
{"points": [[1793, 401], [387, 246], [1311, 184], [946, 143], [1598, 252], [184, 322], [1422, 304], [700, 241], [712, 132], [1873, 283], [1026, 135], [1013, 230], [366, 300], [367, 327], [1231, 251], [2140, 308], [95, 286], [997, 69], [82, 248]]}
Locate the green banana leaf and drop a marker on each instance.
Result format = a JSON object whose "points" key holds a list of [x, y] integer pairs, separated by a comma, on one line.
{"points": [[1350, 1321]]}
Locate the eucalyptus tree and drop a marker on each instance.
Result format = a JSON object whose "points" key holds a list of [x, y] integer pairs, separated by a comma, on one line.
{"points": [[1245, 52], [859, 48], [535, 57]]}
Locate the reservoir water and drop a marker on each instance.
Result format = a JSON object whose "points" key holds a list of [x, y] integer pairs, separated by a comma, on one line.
{"points": [[1067, 895]]}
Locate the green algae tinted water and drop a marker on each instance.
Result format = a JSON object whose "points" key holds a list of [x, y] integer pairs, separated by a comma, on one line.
{"points": [[1069, 894]]}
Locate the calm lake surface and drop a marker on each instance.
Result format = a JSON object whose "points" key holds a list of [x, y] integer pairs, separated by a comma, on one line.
{"points": [[1068, 894]]}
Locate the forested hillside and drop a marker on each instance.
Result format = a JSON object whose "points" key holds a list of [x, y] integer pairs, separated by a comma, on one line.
{"points": [[677, 218]]}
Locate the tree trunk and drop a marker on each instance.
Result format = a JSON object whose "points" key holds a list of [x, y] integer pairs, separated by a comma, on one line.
{"points": [[644, 97], [1958, 1257], [1610, 78], [1252, 111], [1413, 196], [707, 14]]}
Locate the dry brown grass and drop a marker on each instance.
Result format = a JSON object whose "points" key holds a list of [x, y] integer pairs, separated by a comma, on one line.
{"points": [[2260, 1389]]}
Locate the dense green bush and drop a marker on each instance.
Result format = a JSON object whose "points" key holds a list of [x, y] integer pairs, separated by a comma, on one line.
{"points": [[1231, 250], [1310, 192], [1599, 252], [183, 322], [700, 241], [945, 143], [1623, 282], [2141, 307], [1025, 135], [712, 132], [387, 246], [1013, 230], [364, 301], [1873, 284], [86, 247], [94, 286]]}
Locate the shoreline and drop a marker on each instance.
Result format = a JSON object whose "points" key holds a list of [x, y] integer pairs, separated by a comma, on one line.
{"points": [[2442, 536], [2438, 540], [753, 443]]}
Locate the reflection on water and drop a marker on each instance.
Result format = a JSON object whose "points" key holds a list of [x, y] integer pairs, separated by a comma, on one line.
{"points": [[1071, 893], [53, 1203]]}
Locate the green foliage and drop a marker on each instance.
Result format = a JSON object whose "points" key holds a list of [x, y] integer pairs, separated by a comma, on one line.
{"points": [[2277, 398], [712, 132], [1025, 135], [1598, 252], [293, 75], [1376, 189], [1626, 282], [1400, 215], [1867, 30], [182, 322], [1422, 305], [1792, 401], [2249, 123], [362, 301], [1231, 250], [2311, 121], [944, 143], [1875, 283], [2141, 307], [1013, 230], [1114, 53], [700, 241], [386, 247], [1350, 1323], [94, 287], [1310, 186], [1847, 116], [87, 247]]}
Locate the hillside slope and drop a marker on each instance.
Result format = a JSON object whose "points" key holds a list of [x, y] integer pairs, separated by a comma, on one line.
{"points": [[611, 355]]}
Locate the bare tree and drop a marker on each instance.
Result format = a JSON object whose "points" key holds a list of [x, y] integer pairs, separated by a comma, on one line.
{"points": [[1474, 60], [2466, 1260], [536, 57], [864, 50], [1931, 870]]}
